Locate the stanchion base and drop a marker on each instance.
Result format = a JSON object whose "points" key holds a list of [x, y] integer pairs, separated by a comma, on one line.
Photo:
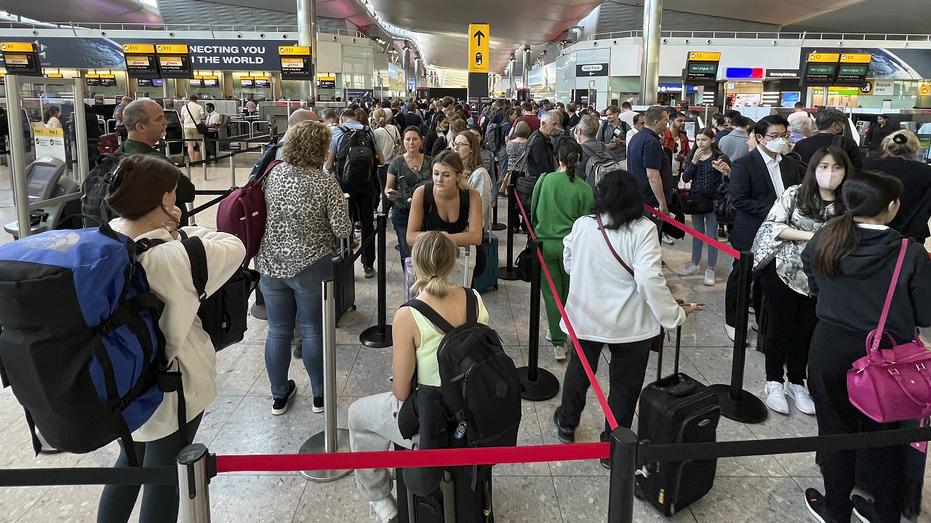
{"points": [[370, 337], [498, 226], [508, 274], [316, 444], [545, 387], [258, 311], [749, 409]]}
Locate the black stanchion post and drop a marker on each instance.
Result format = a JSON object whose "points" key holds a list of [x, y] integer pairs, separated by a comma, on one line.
{"points": [[509, 272], [495, 225], [379, 336], [623, 475], [736, 403], [539, 384]]}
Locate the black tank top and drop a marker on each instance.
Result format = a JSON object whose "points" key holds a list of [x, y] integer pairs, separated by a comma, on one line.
{"points": [[431, 216]]}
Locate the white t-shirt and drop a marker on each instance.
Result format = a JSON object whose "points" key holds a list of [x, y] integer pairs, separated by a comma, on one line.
{"points": [[385, 140], [192, 109]]}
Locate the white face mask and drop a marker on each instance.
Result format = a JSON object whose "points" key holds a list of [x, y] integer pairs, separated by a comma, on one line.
{"points": [[776, 146]]}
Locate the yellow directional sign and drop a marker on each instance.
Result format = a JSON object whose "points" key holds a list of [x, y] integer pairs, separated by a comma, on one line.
{"points": [[18, 47], [925, 90], [478, 48], [138, 48], [171, 49], [293, 50], [824, 58], [705, 57], [855, 58]]}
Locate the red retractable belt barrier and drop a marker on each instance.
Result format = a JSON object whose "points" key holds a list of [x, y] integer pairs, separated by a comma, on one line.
{"points": [[681, 226], [415, 458]]}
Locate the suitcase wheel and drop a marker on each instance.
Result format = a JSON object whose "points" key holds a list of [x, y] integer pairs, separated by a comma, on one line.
{"points": [[496, 286], [352, 307]]}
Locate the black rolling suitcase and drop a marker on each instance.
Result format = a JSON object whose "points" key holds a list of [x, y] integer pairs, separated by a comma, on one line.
{"points": [[677, 409], [344, 279], [454, 501]]}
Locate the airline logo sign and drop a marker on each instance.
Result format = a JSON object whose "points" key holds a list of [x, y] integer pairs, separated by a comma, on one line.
{"points": [[701, 68], [21, 58], [478, 48]]}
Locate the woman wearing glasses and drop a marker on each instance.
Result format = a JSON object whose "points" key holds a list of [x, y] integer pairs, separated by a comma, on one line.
{"points": [[469, 148]]}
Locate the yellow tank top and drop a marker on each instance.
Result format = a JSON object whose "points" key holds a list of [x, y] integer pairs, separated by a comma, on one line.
{"points": [[428, 368]]}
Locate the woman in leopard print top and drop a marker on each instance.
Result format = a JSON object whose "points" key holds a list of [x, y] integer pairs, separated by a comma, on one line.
{"points": [[306, 208]]}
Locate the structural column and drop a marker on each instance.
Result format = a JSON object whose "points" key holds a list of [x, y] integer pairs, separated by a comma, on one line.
{"points": [[649, 73], [525, 71], [406, 66], [307, 36], [512, 89]]}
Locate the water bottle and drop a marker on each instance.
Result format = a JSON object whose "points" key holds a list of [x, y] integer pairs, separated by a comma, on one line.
{"points": [[460, 434]]}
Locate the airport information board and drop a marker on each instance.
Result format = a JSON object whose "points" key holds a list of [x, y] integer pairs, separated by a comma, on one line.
{"points": [[141, 61], [701, 68], [820, 69], [21, 58], [295, 63], [174, 61]]}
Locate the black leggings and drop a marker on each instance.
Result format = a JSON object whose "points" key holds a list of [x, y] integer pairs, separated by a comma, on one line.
{"points": [[159, 502], [833, 351], [790, 322]]}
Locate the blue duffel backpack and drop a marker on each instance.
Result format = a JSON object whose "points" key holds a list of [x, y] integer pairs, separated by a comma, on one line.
{"points": [[80, 343]]}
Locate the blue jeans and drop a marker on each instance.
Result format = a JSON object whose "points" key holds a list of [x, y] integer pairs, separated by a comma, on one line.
{"points": [[285, 297], [399, 218], [706, 224]]}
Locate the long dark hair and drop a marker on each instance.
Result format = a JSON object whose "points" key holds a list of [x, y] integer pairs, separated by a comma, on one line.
{"points": [[809, 200], [865, 195], [570, 155], [140, 185], [619, 196], [715, 150]]}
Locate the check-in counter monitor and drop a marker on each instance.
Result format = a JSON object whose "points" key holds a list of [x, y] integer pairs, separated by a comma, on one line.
{"points": [[45, 181]]}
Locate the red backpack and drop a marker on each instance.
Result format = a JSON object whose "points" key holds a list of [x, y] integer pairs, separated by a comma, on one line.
{"points": [[243, 213]]}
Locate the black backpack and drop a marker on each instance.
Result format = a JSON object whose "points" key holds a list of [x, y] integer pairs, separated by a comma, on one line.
{"points": [[224, 314], [355, 157], [480, 386], [97, 186], [493, 137]]}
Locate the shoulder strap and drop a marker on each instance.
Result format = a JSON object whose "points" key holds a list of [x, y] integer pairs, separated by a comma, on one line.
{"points": [[471, 307], [428, 312], [604, 233], [195, 251], [895, 281]]}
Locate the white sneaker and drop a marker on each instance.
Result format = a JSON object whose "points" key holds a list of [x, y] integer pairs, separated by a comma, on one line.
{"points": [[548, 336], [799, 394], [731, 331], [667, 240], [709, 277], [776, 397], [562, 351], [690, 269], [386, 508]]}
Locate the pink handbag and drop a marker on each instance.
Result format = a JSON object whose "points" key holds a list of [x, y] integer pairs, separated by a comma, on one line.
{"points": [[892, 384]]}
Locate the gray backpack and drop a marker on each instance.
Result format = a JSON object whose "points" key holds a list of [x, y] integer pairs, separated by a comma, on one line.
{"points": [[599, 164]]}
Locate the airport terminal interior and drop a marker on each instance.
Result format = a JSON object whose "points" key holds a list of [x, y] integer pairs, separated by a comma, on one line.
{"points": [[719, 55]]}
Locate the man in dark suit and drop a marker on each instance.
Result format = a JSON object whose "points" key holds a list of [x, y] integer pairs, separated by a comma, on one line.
{"points": [[757, 179], [831, 124]]}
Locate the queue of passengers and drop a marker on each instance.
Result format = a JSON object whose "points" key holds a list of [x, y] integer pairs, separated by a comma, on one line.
{"points": [[825, 236]]}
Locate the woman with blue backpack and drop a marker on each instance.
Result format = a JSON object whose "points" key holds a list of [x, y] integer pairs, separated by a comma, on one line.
{"points": [[143, 196]]}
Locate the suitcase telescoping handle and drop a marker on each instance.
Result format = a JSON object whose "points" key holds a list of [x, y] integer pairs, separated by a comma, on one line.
{"points": [[659, 357]]}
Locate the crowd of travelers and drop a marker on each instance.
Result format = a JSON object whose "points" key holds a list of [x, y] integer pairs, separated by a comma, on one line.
{"points": [[823, 221]]}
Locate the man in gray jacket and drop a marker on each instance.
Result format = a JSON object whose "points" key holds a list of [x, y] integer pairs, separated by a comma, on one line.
{"points": [[734, 145]]}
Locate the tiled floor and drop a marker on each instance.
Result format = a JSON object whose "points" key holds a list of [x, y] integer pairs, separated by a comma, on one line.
{"points": [[754, 489]]}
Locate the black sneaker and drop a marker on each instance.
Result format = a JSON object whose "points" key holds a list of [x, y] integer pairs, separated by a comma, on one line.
{"points": [[565, 434], [864, 509], [815, 502], [368, 271], [318, 404], [280, 405], [605, 462]]}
